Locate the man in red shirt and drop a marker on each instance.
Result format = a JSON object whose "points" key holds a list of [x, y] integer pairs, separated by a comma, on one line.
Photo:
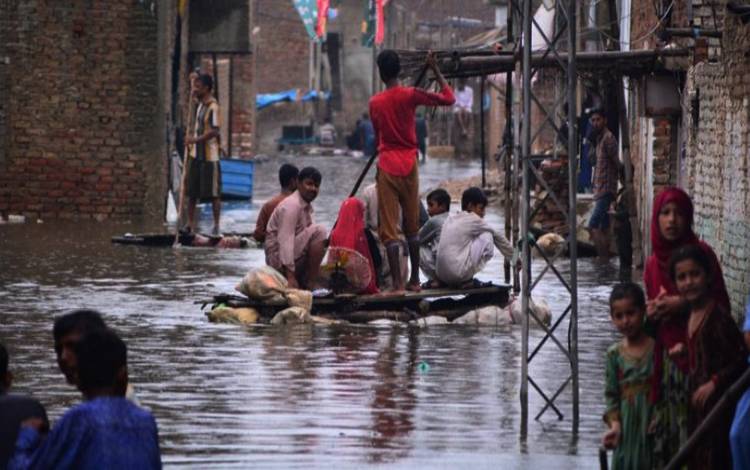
{"points": [[393, 114]]}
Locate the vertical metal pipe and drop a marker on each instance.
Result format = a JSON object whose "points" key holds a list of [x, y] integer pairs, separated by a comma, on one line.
{"points": [[311, 66], [230, 98], [572, 196], [481, 132], [525, 157], [509, 148]]}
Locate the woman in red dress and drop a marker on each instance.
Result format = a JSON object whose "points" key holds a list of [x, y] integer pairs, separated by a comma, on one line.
{"points": [[349, 234]]}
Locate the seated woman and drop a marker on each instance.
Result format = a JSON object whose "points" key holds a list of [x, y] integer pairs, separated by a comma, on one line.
{"points": [[348, 240]]}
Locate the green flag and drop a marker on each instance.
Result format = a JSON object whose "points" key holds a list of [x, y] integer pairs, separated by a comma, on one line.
{"points": [[308, 11], [369, 22]]}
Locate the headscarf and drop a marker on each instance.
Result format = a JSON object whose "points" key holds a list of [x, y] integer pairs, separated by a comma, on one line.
{"points": [[349, 232], [657, 270], [661, 247], [656, 275]]}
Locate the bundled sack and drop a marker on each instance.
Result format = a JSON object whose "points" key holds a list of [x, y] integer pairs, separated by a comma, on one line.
{"points": [[490, 315], [292, 316], [551, 244], [299, 298], [539, 307], [264, 284], [242, 316]]}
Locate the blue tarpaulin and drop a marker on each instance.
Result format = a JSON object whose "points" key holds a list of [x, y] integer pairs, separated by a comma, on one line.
{"points": [[267, 99], [313, 95]]}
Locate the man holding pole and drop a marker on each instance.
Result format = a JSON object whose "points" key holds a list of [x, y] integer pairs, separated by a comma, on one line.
{"points": [[204, 174], [393, 114]]}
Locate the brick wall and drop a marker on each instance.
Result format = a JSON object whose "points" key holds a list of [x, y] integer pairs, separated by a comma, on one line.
{"points": [[717, 166], [282, 55], [82, 119], [716, 145], [243, 108]]}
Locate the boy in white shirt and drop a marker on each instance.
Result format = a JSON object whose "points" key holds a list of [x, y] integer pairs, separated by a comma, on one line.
{"points": [[466, 241]]}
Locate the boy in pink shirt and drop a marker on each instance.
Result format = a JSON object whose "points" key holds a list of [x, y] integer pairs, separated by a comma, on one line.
{"points": [[393, 114]]}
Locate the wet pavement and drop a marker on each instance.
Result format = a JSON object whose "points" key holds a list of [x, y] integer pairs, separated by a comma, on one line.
{"points": [[305, 396]]}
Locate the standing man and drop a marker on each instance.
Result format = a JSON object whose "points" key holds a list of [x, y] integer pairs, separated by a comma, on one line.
{"points": [[288, 180], [294, 245], [204, 180], [393, 117], [464, 106], [606, 174]]}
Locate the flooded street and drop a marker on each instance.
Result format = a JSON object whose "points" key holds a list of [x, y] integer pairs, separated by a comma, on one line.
{"points": [[308, 396]]}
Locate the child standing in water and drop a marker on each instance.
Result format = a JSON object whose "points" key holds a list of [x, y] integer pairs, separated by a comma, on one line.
{"points": [[628, 381], [715, 352]]}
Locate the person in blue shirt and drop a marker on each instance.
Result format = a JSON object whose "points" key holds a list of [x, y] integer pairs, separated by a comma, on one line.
{"points": [[106, 430], [366, 135], [739, 434]]}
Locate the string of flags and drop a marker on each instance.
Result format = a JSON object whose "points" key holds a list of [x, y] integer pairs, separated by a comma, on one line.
{"points": [[316, 13]]}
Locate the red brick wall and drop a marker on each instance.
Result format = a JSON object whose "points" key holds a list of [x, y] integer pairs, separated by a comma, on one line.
{"points": [[282, 47], [282, 56], [243, 108], [439, 11], [82, 111]]}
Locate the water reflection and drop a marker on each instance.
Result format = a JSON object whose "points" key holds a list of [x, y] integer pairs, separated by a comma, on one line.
{"points": [[393, 400], [305, 396]]}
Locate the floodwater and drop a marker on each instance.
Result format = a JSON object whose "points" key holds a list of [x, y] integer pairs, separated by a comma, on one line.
{"points": [[304, 396]]}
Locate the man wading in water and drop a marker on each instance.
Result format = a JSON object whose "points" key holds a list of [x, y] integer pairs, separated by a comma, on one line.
{"points": [[204, 180]]}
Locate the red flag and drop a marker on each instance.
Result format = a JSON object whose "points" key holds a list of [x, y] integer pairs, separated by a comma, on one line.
{"points": [[322, 17], [379, 23]]}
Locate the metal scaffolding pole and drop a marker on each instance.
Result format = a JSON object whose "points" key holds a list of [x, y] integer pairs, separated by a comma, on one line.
{"points": [[556, 46]]}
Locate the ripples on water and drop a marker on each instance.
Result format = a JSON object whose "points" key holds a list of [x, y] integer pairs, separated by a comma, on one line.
{"points": [[303, 396]]}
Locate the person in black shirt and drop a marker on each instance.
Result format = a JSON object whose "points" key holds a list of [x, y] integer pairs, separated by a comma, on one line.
{"points": [[14, 409]]}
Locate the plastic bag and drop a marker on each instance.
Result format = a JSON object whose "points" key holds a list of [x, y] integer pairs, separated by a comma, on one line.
{"points": [[264, 283]]}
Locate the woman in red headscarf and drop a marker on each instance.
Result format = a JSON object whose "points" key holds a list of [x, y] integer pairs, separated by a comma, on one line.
{"points": [[671, 229], [349, 234]]}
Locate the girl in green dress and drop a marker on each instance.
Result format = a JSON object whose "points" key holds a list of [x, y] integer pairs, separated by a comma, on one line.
{"points": [[628, 381]]}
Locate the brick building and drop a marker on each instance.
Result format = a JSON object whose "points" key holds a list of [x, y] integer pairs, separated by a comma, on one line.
{"points": [[81, 124], [704, 147], [283, 56], [96, 97]]}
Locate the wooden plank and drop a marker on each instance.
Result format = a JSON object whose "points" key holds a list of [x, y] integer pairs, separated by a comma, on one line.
{"points": [[163, 239], [443, 302]]}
